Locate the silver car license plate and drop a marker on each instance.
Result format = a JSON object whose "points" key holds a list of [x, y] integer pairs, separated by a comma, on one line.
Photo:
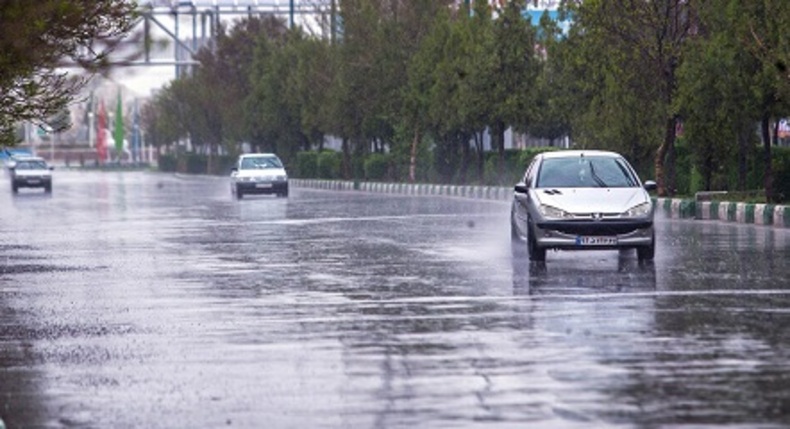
{"points": [[263, 185], [596, 241]]}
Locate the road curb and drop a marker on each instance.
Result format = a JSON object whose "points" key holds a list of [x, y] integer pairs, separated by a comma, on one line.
{"points": [[500, 193], [678, 208], [726, 211]]}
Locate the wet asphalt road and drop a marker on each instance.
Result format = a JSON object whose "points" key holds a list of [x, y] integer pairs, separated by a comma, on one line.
{"points": [[140, 300]]}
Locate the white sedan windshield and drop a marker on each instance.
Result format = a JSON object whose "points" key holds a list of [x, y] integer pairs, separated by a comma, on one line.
{"points": [[259, 163]]}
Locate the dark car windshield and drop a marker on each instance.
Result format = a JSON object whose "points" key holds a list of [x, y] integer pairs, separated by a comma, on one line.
{"points": [[585, 172], [261, 162]]}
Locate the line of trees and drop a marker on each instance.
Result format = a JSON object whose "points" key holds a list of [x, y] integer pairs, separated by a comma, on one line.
{"points": [[423, 80]]}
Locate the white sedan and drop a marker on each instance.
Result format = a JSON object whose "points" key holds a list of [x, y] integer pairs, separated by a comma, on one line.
{"points": [[258, 173]]}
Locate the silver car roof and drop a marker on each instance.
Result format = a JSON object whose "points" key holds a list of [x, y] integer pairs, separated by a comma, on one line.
{"points": [[578, 153]]}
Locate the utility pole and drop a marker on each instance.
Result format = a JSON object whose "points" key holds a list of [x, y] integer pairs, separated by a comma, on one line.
{"points": [[292, 14]]}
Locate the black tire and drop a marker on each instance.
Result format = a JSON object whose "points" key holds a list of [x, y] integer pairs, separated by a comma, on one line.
{"points": [[284, 193], [536, 253], [514, 235], [239, 192], [647, 253], [14, 187], [48, 188]]}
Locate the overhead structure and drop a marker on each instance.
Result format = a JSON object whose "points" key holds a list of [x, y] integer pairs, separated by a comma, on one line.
{"points": [[191, 25]]}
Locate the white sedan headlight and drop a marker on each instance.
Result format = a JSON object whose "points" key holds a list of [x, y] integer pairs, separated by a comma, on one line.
{"points": [[640, 210], [551, 212]]}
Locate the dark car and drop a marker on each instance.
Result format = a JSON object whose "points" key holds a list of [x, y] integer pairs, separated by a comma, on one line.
{"points": [[582, 200], [30, 172]]}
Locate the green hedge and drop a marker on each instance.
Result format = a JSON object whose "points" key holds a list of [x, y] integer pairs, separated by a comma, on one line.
{"points": [[168, 163], [377, 167], [781, 169], [193, 163], [329, 164], [306, 165]]}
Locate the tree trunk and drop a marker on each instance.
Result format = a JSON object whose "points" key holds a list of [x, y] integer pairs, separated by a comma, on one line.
{"points": [[498, 141], [661, 154], [465, 158], [742, 165], [413, 156], [480, 155], [346, 167], [768, 179], [708, 173], [670, 169]]}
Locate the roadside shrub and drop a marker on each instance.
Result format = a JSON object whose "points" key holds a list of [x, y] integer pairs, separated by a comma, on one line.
{"points": [[196, 163], [167, 163], [329, 164], [224, 163], [377, 166], [306, 164], [781, 169]]}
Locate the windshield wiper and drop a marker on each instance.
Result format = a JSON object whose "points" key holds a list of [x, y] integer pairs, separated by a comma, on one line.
{"points": [[597, 179]]}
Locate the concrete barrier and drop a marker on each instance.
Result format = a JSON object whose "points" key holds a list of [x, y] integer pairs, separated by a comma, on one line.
{"points": [[726, 211]]}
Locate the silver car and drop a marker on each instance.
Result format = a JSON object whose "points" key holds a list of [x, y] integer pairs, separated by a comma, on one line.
{"points": [[258, 173], [582, 200], [30, 172]]}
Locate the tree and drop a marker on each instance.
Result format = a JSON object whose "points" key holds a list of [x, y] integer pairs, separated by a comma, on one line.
{"points": [[764, 34], [224, 73], [637, 48], [273, 112], [38, 37]]}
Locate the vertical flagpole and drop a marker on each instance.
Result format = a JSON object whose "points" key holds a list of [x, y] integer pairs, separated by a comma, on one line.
{"points": [[118, 132], [136, 133], [91, 126]]}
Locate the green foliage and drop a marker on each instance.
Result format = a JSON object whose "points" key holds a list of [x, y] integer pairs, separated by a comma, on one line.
{"points": [[193, 163], [516, 163], [329, 164], [307, 164], [168, 163], [781, 168], [37, 38], [377, 167]]}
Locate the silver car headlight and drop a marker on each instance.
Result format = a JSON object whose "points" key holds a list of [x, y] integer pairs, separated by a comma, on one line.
{"points": [[640, 210], [551, 212]]}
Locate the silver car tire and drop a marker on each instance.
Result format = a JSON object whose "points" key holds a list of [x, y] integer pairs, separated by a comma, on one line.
{"points": [[536, 253], [514, 233], [647, 253]]}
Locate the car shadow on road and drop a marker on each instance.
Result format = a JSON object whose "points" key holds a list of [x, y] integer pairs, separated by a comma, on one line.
{"points": [[582, 273]]}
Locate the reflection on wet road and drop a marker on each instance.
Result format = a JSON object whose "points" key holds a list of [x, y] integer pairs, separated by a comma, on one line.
{"points": [[147, 300]]}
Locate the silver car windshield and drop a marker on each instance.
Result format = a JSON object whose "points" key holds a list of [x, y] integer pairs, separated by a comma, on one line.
{"points": [[585, 172], [31, 165], [260, 163]]}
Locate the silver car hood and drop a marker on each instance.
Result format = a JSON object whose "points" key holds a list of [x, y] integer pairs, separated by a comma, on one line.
{"points": [[591, 200]]}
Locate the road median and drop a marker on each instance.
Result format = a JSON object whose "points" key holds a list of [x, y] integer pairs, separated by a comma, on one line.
{"points": [[677, 208]]}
